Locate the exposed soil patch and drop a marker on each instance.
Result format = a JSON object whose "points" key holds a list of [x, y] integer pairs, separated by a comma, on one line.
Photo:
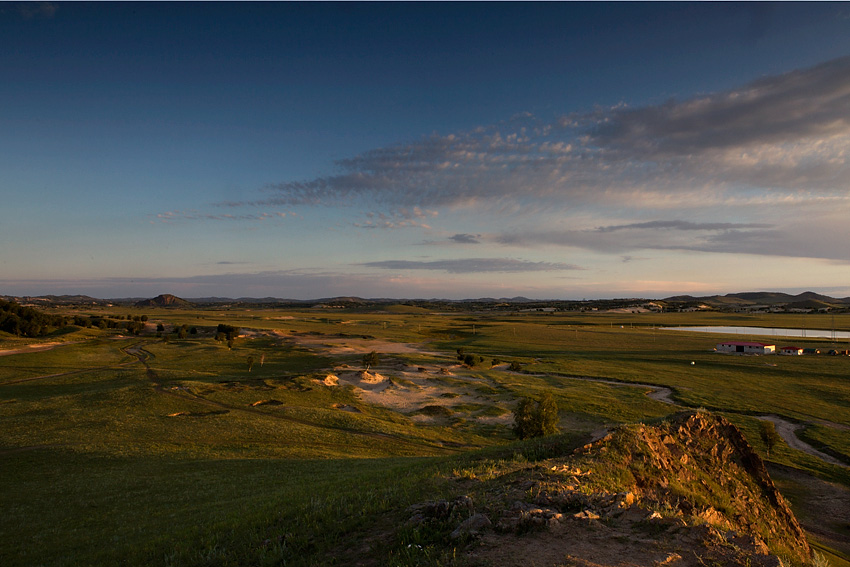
{"points": [[267, 403], [353, 345], [198, 413], [409, 390], [346, 407]]}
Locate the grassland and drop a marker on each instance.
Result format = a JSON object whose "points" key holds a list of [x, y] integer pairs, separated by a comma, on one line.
{"points": [[139, 450]]}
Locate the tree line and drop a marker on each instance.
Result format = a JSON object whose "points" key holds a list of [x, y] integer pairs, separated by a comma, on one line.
{"points": [[27, 321]]}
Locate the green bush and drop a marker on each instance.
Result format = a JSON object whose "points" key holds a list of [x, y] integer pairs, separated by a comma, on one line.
{"points": [[536, 420]]}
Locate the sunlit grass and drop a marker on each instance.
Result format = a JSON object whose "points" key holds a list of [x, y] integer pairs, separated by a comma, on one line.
{"points": [[169, 461]]}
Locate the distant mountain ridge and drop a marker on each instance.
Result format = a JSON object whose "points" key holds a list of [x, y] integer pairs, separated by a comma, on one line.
{"points": [[807, 299], [164, 300]]}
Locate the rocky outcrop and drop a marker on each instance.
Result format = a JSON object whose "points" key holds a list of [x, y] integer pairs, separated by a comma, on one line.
{"points": [[689, 491]]}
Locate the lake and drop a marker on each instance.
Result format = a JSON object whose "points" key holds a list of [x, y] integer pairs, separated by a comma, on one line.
{"points": [[766, 331]]}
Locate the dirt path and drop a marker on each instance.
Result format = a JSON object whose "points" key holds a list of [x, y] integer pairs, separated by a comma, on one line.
{"points": [[786, 429]]}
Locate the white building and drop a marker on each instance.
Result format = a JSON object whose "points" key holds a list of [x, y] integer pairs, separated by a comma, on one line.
{"points": [[739, 347]]}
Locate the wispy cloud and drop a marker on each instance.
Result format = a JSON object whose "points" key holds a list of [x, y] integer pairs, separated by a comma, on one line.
{"points": [[472, 265], [742, 167], [172, 216], [817, 237], [466, 238], [681, 225], [790, 131]]}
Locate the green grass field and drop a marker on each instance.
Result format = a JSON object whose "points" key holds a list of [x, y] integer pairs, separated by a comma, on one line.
{"points": [[134, 450]]}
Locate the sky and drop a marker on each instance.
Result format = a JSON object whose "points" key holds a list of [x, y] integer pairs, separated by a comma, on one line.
{"points": [[424, 150]]}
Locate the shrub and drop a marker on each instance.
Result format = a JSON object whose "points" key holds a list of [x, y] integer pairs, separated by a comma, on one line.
{"points": [[371, 359], [536, 420], [767, 431]]}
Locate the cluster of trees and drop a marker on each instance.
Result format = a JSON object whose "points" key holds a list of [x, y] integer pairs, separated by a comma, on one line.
{"points": [[135, 327], [535, 419], [26, 321], [468, 359], [226, 332]]}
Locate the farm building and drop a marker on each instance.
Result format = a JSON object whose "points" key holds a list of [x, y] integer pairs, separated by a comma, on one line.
{"points": [[745, 348], [792, 350]]}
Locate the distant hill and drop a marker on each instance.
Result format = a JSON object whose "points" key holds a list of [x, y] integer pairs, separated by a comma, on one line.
{"points": [[805, 300], [56, 300], [164, 300]]}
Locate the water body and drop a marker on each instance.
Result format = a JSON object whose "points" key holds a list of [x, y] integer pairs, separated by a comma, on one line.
{"points": [[767, 332]]}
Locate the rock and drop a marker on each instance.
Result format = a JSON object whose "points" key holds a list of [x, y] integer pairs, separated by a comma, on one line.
{"points": [[626, 499], [586, 515], [472, 526]]}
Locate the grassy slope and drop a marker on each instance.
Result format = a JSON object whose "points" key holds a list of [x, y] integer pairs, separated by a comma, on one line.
{"points": [[116, 477]]}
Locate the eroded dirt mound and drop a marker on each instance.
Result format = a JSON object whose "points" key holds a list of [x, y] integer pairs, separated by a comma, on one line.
{"points": [[688, 492]]}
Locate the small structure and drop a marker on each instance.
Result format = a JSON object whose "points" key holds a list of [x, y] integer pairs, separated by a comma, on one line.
{"points": [[791, 350], [738, 347], [811, 351]]}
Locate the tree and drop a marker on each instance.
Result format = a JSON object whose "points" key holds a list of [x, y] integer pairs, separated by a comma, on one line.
{"points": [[524, 418], [230, 332], [536, 420], [768, 433], [547, 414], [371, 359]]}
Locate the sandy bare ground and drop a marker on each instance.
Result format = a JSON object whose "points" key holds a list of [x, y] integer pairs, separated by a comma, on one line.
{"points": [[418, 389], [407, 389], [353, 345]]}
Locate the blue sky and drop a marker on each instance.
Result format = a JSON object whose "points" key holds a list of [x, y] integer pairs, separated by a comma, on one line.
{"points": [[556, 150]]}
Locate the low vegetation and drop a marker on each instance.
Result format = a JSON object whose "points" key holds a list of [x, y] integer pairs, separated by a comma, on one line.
{"points": [[259, 439]]}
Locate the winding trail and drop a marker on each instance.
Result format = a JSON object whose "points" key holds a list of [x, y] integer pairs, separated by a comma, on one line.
{"points": [[786, 429]]}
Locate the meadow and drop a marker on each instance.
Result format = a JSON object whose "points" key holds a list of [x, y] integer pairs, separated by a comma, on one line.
{"points": [[191, 451]]}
